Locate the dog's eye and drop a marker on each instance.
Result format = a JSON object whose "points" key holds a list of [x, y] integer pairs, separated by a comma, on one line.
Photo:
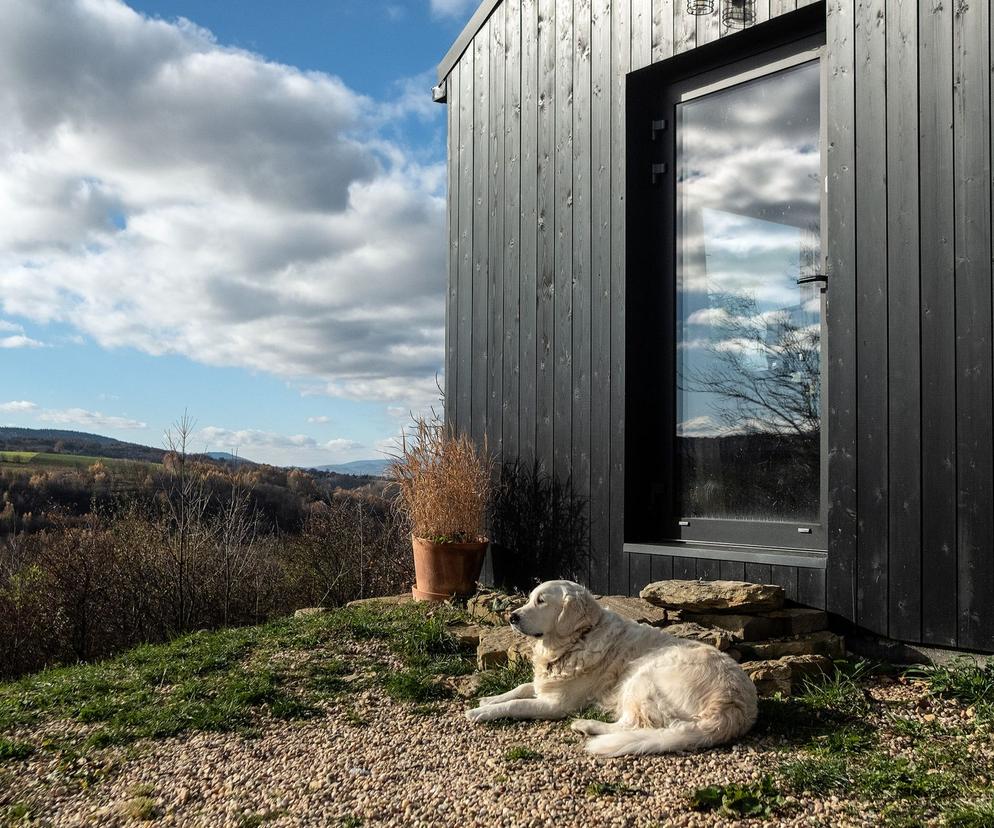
{"points": [[539, 600]]}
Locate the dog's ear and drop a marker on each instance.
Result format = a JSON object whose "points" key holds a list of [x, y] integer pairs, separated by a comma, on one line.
{"points": [[579, 612]]}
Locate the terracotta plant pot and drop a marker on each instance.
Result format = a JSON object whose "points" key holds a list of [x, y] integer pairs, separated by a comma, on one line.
{"points": [[444, 570]]}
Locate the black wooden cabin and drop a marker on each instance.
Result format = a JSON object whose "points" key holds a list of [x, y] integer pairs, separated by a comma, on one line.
{"points": [[730, 274]]}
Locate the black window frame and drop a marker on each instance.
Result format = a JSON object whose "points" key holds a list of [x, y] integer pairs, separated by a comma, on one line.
{"points": [[650, 388]]}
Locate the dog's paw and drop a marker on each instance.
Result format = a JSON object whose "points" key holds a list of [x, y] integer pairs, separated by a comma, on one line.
{"points": [[488, 700], [476, 714], [588, 727]]}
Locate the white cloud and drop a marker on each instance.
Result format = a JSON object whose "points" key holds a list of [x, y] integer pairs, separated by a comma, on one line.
{"points": [[453, 8], [273, 447], [216, 438], [88, 419], [10, 327], [342, 444], [162, 192], [20, 341], [319, 420], [17, 406]]}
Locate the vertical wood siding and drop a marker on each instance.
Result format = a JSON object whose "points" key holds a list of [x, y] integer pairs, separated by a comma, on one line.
{"points": [[535, 331]]}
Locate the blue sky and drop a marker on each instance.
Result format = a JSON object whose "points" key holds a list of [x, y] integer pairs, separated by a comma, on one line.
{"points": [[230, 208]]}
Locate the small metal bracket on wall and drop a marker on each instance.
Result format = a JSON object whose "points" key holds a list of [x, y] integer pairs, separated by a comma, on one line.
{"points": [[658, 171], [658, 126]]}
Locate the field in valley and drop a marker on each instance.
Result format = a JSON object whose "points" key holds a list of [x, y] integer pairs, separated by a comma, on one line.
{"points": [[45, 460]]}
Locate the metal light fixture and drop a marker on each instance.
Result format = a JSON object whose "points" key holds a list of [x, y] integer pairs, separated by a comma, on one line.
{"points": [[700, 7], [739, 13]]}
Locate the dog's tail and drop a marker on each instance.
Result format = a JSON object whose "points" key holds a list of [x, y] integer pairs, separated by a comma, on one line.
{"points": [[721, 726], [677, 737]]}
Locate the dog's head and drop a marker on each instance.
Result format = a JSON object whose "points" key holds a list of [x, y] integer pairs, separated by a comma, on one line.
{"points": [[557, 610]]}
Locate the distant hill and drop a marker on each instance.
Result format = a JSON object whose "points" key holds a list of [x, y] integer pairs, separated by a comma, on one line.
{"points": [[59, 441], [372, 468], [228, 457]]}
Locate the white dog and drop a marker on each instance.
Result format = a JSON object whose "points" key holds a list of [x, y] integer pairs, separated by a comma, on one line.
{"points": [[665, 693]]}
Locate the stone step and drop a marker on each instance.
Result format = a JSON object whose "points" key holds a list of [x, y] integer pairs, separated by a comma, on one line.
{"points": [[784, 675], [714, 596], [695, 632], [635, 609], [775, 624], [822, 643]]}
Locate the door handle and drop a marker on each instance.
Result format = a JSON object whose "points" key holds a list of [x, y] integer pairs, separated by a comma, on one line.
{"points": [[819, 279]]}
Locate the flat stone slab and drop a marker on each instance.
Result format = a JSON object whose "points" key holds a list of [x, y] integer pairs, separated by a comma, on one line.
{"points": [[382, 601], [714, 596], [782, 675], [634, 609], [770, 677], [502, 645], [808, 666], [823, 643], [466, 687], [468, 635], [695, 632], [757, 627], [493, 607], [739, 627]]}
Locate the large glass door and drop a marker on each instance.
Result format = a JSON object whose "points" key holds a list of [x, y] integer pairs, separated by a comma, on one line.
{"points": [[747, 430]]}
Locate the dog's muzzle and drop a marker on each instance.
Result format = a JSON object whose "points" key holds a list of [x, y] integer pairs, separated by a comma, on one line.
{"points": [[515, 620]]}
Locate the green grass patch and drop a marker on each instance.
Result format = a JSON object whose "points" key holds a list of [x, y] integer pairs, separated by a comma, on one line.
{"points": [[520, 753], [967, 814], [12, 751], [140, 808], [503, 679], [226, 680], [414, 685], [600, 788], [820, 709], [204, 681], [968, 680], [737, 801], [17, 813], [41, 459]]}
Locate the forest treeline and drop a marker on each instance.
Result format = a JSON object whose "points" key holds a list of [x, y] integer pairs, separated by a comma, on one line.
{"points": [[99, 559]]}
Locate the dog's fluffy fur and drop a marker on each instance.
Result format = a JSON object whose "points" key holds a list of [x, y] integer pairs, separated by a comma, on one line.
{"points": [[665, 693]]}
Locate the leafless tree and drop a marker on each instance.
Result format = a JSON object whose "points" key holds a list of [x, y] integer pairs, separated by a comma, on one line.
{"points": [[781, 397], [187, 502]]}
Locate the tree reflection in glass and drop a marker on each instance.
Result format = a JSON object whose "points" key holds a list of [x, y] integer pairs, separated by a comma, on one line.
{"points": [[748, 335]]}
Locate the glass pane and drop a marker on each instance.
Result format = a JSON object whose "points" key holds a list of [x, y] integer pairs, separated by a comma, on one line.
{"points": [[748, 335]]}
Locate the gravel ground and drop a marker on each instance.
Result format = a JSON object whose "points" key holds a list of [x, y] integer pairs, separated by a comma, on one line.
{"points": [[373, 761], [406, 768]]}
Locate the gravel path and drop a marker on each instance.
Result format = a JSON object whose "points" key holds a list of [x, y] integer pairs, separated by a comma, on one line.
{"points": [[406, 768], [374, 761]]}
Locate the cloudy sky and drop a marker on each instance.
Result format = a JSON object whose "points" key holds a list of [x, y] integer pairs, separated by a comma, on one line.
{"points": [[233, 207]]}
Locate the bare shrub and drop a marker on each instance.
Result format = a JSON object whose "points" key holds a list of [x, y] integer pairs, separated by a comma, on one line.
{"points": [[351, 547], [444, 482]]}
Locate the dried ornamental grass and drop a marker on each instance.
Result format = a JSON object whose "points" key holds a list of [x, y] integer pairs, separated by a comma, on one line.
{"points": [[444, 483]]}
